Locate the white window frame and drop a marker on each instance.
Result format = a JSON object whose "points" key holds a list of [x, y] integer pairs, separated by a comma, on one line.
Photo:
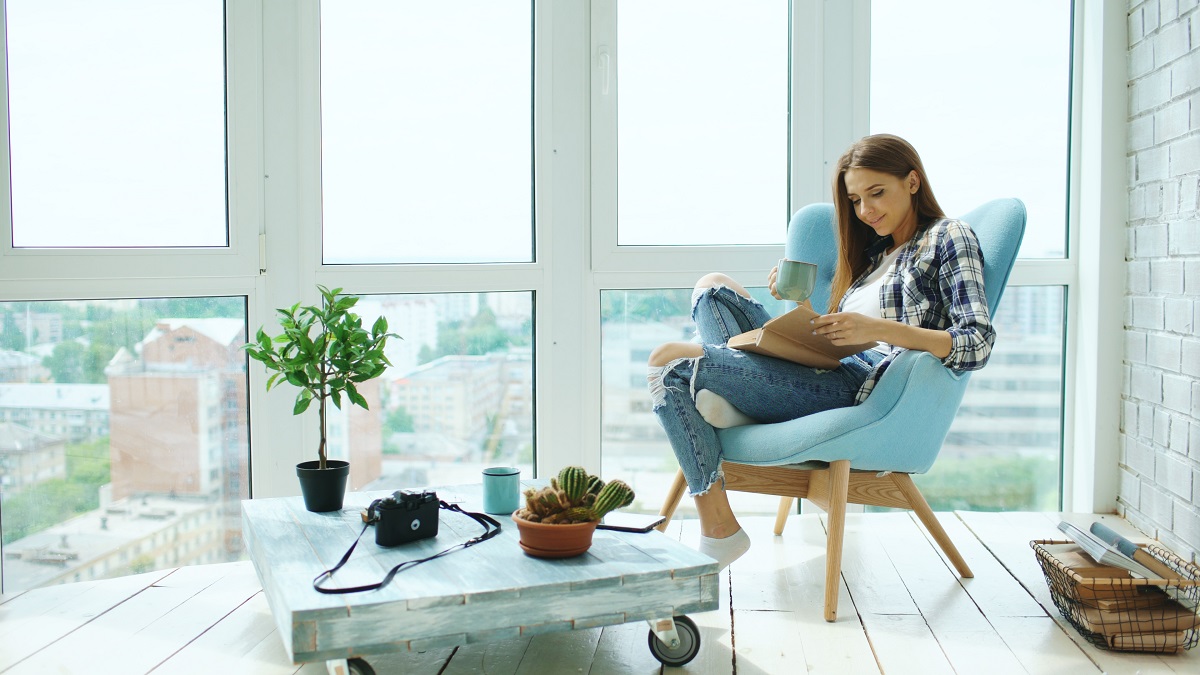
{"points": [[274, 180]]}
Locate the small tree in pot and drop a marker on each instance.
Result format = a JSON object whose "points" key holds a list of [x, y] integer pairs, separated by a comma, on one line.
{"points": [[325, 352]]}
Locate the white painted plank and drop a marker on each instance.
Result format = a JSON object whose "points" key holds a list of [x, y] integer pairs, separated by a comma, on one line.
{"points": [[565, 652], [997, 592], [838, 647], [1042, 646], [904, 644], [36, 618], [496, 658], [968, 640], [769, 642], [623, 650], [150, 626], [870, 578], [243, 642]]}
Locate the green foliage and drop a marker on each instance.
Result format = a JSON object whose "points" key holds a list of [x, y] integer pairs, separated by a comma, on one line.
{"points": [[12, 337], [74, 363], [476, 336], [46, 504], [991, 484], [89, 462], [324, 352], [397, 421], [645, 307], [54, 501]]}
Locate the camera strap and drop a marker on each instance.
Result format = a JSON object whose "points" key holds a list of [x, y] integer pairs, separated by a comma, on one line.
{"points": [[491, 528]]}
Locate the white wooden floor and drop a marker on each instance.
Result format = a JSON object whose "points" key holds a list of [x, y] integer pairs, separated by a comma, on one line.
{"points": [[902, 610]]}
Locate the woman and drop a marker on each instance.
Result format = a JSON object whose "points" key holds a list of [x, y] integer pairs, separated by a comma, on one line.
{"points": [[907, 277]]}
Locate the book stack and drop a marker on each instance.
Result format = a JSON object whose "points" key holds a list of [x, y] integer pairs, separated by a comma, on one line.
{"points": [[1119, 595]]}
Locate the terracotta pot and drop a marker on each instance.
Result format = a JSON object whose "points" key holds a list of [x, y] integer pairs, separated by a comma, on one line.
{"points": [[554, 541]]}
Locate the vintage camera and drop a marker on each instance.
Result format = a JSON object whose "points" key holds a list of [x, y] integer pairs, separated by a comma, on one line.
{"points": [[403, 517]]}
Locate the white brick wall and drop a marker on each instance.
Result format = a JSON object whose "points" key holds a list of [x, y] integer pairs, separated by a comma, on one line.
{"points": [[1159, 489]]}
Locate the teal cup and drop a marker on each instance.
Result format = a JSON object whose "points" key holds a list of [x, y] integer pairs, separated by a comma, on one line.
{"points": [[796, 280], [501, 490]]}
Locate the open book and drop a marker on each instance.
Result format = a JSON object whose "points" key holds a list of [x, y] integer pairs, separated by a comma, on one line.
{"points": [[789, 336]]}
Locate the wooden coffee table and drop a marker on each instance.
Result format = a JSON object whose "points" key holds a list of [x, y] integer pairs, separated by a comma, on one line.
{"points": [[487, 593]]}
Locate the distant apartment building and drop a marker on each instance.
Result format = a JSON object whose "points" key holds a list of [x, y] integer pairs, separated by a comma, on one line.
{"points": [[453, 395], [179, 422], [42, 328], [127, 536], [28, 457], [180, 415], [356, 435], [21, 367], [76, 412]]}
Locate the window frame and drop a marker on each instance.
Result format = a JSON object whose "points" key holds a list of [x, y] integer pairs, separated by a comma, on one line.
{"points": [[243, 171], [273, 141]]}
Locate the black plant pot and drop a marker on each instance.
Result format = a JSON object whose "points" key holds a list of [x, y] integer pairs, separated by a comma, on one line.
{"points": [[323, 489]]}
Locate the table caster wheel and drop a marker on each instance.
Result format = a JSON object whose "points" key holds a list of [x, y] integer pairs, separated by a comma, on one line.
{"points": [[360, 667], [685, 651]]}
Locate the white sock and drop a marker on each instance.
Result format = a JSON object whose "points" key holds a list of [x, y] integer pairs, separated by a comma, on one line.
{"points": [[727, 549], [718, 412]]}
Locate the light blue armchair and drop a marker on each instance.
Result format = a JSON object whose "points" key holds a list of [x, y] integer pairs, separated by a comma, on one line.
{"points": [[864, 454]]}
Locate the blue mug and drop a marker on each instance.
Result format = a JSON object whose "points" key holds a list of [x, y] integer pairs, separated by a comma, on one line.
{"points": [[501, 490]]}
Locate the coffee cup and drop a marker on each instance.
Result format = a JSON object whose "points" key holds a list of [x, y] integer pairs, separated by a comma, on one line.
{"points": [[795, 280], [501, 489]]}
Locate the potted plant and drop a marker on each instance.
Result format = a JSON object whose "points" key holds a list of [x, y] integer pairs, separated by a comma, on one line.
{"points": [[558, 521], [325, 352]]}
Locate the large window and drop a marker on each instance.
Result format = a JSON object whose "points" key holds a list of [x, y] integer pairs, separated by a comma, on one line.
{"points": [[526, 188], [990, 116], [989, 113], [934, 86], [117, 123], [459, 395], [702, 122], [427, 152], [124, 441]]}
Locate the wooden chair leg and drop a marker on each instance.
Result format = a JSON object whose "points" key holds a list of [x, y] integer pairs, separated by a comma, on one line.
{"points": [[839, 485], [672, 501], [921, 507], [785, 508]]}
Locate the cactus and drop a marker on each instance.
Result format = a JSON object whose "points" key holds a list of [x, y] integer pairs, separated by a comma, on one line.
{"points": [[612, 496], [574, 481], [574, 497], [594, 485]]}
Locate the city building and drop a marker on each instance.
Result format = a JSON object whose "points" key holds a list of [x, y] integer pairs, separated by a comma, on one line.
{"points": [[28, 457], [76, 412], [126, 536], [20, 367]]}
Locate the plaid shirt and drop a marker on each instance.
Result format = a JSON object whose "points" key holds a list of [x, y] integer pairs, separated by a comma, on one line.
{"points": [[937, 283]]}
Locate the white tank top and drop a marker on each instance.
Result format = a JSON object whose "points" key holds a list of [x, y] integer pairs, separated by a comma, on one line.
{"points": [[865, 299]]}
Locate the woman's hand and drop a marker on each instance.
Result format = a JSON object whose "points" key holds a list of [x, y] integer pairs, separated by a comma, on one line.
{"points": [[850, 328], [771, 279]]}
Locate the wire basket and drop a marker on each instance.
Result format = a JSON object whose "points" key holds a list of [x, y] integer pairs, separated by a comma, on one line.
{"points": [[1114, 610]]}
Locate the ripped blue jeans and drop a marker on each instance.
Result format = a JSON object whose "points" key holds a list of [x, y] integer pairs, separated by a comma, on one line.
{"points": [[766, 389]]}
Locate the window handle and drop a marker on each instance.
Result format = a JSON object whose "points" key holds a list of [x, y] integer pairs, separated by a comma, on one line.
{"points": [[605, 60]]}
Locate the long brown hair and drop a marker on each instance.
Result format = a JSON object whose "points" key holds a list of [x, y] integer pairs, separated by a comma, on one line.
{"points": [[886, 154]]}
